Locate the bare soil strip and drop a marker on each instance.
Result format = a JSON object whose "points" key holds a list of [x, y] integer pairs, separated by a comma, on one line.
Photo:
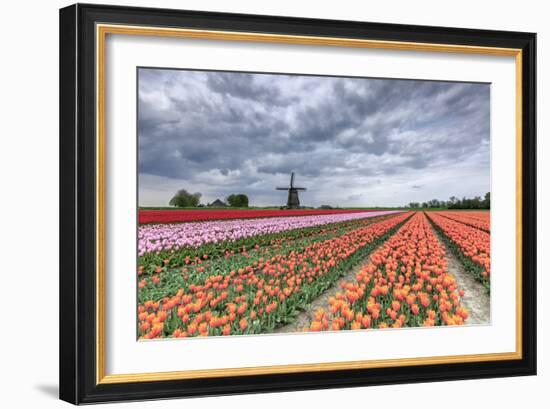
{"points": [[304, 319], [475, 299]]}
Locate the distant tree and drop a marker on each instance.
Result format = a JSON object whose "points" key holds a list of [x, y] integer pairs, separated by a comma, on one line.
{"points": [[185, 199], [237, 200], [455, 203], [434, 203], [452, 202]]}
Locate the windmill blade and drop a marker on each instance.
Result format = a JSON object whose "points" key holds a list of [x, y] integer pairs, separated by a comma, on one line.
{"points": [[292, 179], [300, 188], [281, 188]]}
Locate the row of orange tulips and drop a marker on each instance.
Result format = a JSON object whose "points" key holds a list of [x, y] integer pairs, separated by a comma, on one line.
{"points": [[406, 283], [471, 245], [479, 220]]}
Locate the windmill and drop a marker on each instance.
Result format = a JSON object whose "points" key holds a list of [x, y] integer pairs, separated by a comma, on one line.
{"points": [[293, 201]]}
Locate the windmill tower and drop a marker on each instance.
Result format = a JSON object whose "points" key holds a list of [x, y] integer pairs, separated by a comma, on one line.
{"points": [[293, 202]]}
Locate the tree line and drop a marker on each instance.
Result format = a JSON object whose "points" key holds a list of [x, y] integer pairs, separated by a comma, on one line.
{"points": [[183, 198], [454, 202]]}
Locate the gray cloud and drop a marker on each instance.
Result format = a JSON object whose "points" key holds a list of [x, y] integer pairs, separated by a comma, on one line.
{"points": [[351, 141]]}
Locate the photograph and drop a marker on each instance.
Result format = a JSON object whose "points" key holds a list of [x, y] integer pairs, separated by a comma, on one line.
{"points": [[273, 203]]}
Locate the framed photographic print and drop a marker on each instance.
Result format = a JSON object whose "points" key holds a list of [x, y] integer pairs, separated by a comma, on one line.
{"points": [[258, 203]]}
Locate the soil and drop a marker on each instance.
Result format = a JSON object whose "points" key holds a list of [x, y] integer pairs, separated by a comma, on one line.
{"points": [[476, 299], [304, 319]]}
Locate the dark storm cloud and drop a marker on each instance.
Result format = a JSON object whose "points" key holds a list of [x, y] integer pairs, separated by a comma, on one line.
{"points": [[238, 86], [219, 132]]}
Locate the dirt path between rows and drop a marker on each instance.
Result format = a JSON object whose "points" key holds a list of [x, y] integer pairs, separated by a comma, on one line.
{"points": [[304, 319], [475, 299]]}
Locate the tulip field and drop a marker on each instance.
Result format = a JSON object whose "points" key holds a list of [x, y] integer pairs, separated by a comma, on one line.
{"points": [[239, 272]]}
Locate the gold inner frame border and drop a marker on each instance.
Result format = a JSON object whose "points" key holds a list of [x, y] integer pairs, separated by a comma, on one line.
{"points": [[102, 30]]}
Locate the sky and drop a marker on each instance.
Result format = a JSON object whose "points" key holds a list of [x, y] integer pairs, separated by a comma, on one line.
{"points": [[351, 142]]}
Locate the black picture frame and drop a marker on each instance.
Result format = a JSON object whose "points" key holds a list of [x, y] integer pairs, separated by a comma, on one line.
{"points": [[78, 360]]}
